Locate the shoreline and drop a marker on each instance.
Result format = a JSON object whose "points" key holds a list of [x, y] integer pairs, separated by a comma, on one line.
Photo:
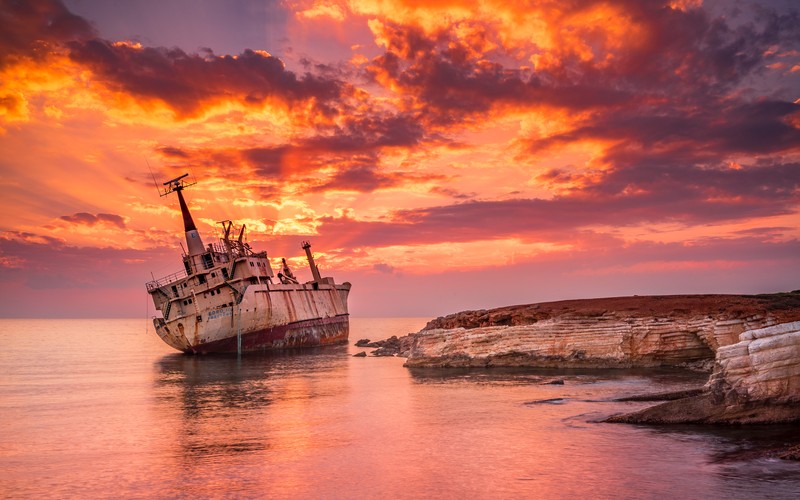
{"points": [[749, 344]]}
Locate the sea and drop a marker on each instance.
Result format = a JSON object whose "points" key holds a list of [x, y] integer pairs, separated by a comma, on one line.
{"points": [[102, 408]]}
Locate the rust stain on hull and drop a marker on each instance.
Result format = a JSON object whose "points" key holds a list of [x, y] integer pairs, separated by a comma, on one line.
{"points": [[308, 333]]}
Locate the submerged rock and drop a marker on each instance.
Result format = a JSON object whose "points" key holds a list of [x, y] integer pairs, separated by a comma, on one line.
{"points": [[550, 401], [665, 396], [362, 343], [792, 453], [393, 346], [362, 354]]}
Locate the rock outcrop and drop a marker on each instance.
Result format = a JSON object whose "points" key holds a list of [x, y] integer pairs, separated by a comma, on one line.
{"points": [[756, 380], [392, 346], [599, 333], [751, 342]]}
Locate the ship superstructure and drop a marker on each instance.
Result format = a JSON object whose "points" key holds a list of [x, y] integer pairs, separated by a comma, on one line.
{"points": [[228, 299]]}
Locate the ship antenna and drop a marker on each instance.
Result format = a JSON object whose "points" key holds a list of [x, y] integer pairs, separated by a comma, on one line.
{"points": [[176, 184], [153, 176]]}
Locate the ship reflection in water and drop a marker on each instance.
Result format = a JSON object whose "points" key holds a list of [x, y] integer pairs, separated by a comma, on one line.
{"points": [[222, 403], [85, 414]]}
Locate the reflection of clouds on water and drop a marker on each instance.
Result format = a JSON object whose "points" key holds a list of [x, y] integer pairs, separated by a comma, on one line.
{"points": [[223, 406], [645, 377], [205, 386]]}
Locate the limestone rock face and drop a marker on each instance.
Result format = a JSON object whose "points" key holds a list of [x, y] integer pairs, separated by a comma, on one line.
{"points": [[755, 381], [764, 365], [612, 332], [609, 339]]}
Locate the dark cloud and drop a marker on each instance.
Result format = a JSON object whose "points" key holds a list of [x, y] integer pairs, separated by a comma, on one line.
{"points": [[87, 219], [173, 152], [681, 57], [353, 149], [268, 161], [27, 27], [48, 263], [452, 193], [684, 195], [364, 178], [383, 268], [367, 178], [188, 82], [761, 127]]}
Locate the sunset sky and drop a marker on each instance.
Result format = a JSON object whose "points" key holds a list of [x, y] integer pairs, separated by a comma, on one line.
{"points": [[439, 155]]}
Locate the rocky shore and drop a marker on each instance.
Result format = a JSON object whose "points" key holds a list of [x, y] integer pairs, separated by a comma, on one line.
{"points": [[755, 381], [751, 344]]}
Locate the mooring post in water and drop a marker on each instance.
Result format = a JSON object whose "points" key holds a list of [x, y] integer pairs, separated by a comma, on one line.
{"points": [[239, 332]]}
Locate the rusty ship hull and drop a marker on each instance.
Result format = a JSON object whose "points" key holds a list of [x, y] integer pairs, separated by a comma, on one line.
{"points": [[268, 317], [228, 298]]}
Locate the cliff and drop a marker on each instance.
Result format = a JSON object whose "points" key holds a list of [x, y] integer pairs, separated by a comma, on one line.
{"points": [[684, 330]]}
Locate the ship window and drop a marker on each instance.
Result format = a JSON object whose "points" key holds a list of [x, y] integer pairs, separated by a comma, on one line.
{"points": [[207, 261], [213, 275], [224, 273], [174, 289], [190, 301], [184, 285], [251, 264], [212, 293], [201, 278], [184, 302]]}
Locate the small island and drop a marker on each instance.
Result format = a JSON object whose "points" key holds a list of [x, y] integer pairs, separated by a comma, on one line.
{"points": [[750, 345]]}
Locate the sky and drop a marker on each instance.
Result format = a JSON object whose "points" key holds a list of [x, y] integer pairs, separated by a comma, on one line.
{"points": [[439, 155]]}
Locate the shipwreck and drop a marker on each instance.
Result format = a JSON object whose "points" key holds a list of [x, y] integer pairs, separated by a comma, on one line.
{"points": [[227, 297]]}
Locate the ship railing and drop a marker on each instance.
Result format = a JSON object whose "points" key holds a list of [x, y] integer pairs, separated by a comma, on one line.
{"points": [[152, 285]]}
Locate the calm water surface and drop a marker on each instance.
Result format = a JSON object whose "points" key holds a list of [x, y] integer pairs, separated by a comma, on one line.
{"points": [[101, 408]]}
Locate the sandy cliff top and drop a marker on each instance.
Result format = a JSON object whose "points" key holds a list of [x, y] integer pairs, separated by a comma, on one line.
{"points": [[782, 306]]}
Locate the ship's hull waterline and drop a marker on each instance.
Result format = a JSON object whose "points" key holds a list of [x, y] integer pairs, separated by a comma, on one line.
{"points": [[307, 333]]}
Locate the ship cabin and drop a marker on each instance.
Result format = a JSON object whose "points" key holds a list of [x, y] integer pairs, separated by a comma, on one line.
{"points": [[213, 279]]}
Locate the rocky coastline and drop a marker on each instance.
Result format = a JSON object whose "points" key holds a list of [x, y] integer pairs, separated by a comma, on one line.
{"points": [[749, 344]]}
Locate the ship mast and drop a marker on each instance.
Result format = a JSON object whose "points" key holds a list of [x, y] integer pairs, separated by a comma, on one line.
{"points": [[194, 243]]}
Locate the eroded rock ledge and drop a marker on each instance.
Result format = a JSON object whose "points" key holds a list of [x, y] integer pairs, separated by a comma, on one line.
{"points": [[756, 380], [681, 330], [751, 342]]}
